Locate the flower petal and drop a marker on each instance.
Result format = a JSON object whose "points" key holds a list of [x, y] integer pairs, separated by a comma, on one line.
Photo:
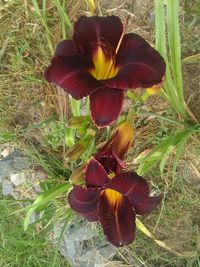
{"points": [[147, 205], [70, 73], [91, 31], [110, 162], [120, 141], [65, 48], [95, 174], [131, 185], [90, 216], [118, 221], [140, 64], [106, 105], [84, 201]]}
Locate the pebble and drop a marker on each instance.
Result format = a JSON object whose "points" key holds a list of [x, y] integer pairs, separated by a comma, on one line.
{"points": [[18, 178], [7, 187]]}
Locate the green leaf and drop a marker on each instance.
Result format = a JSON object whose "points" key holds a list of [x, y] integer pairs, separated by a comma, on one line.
{"points": [[161, 152], [78, 122], [173, 86], [44, 199], [165, 157], [69, 137], [75, 106]]}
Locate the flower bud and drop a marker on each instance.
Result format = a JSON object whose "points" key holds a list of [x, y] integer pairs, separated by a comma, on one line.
{"points": [[78, 122], [120, 141], [77, 177], [79, 148]]}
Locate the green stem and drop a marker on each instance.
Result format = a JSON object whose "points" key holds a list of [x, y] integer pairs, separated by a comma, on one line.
{"points": [[131, 115], [87, 105], [75, 106]]}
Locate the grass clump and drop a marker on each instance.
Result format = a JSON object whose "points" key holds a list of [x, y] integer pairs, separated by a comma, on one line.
{"points": [[19, 248]]}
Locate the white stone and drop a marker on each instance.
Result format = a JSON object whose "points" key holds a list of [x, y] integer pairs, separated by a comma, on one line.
{"points": [[7, 151], [18, 178]]}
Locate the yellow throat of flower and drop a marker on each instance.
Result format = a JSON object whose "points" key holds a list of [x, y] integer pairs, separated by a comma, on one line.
{"points": [[113, 197], [104, 65], [111, 175]]}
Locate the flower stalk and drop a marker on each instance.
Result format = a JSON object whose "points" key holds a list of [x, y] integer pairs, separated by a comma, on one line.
{"points": [[131, 115]]}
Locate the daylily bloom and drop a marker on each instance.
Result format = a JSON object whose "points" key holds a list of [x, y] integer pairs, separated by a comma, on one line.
{"points": [[102, 61], [112, 153], [114, 202]]}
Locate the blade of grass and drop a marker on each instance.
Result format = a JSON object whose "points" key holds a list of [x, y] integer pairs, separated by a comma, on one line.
{"points": [[63, 15], [63, 22], [91, 5], [43, 19], [195, 128], [191, 59]]}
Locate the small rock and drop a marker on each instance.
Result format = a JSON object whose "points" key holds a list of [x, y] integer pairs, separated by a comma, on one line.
{"points": [[39, 175], [152, 17], [13, 163], [7, 151], [18, 178], [82, 246], [37, 189], [35, 216], [7, 187]]}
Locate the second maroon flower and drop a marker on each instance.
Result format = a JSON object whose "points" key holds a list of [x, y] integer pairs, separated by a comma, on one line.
{"points": [[112, 201]]}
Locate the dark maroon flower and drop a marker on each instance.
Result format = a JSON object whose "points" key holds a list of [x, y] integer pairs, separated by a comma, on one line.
{"points": [[114, 202], [101, 61]]}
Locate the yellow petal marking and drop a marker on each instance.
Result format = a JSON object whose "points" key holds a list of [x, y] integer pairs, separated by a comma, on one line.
{"points": [[111, 175], [113, 197], [104, 65]]}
